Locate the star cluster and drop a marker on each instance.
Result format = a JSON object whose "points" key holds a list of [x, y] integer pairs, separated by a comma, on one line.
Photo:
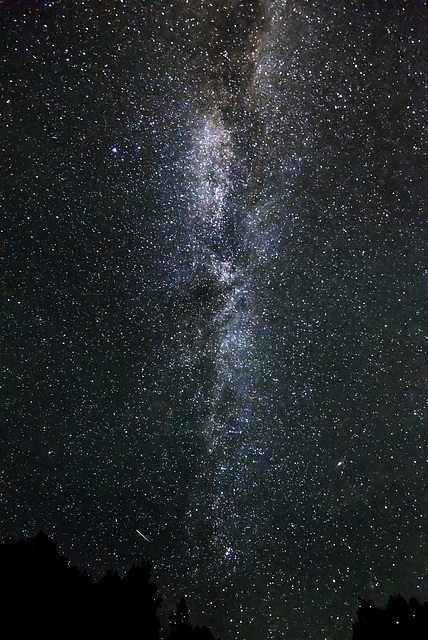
{"points": [[215, 299]]}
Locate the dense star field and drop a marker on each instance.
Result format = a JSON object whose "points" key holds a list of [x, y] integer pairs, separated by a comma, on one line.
{"points": [[214, 317]]}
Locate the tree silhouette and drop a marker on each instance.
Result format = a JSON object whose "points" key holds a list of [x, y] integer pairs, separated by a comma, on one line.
{"points": [[143, 600], [42, 594], [128, 606], [180, 628], [400, 620], [39, 587], [179, 622]]}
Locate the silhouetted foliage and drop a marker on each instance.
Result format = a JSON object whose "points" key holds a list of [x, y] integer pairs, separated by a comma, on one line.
{"points": [[179, 622], [180, 628], [40, 588], [132, 602], [400, 620], [42, 594]]}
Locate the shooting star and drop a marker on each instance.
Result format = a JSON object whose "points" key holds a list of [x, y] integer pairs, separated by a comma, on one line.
{"points": [[142, 535]]}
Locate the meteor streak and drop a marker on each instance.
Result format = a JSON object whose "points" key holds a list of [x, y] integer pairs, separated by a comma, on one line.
{"points": [[142, 535]]}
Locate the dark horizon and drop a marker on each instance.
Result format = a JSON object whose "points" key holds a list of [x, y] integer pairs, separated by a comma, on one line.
{"points": [[43, 592]]}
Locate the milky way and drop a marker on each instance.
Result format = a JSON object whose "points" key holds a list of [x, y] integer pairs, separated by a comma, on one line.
{"points": [[215, 300]]}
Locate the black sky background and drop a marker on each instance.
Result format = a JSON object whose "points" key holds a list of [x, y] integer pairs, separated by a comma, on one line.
{"points": [[117, 329]]}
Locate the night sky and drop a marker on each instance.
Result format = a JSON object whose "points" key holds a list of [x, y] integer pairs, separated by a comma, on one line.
{"points": [[214, 299]]}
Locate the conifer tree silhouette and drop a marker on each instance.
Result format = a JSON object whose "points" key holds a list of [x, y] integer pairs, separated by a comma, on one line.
{"points": [[40, 591], [400, 620], [180, 628], [41, 594], [178, 620]]}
